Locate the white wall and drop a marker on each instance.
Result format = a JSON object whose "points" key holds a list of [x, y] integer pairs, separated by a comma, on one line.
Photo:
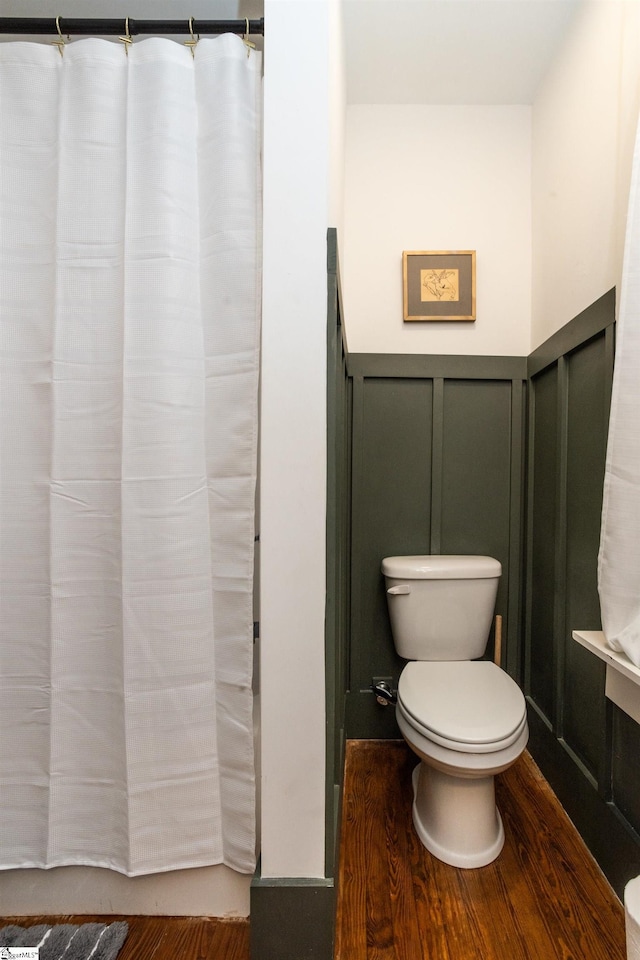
{"points": [[206, 891], [302, 78], [437, 178], [584, 121], [337, 117]]}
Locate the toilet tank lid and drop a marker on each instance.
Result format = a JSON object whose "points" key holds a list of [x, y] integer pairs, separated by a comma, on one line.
{"points": [[439, 567]]}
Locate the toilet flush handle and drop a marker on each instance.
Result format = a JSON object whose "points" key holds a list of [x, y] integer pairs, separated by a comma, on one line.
{"points": [[400, 588]]}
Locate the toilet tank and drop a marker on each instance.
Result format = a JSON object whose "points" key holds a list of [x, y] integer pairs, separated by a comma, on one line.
{"points": [[441, 607]]}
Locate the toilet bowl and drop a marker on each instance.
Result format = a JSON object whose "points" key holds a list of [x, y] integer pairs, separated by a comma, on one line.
{"points": [[466, 721], [463, 717]]}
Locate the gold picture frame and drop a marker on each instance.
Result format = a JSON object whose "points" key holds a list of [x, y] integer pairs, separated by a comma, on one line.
{"points": [[439, 284]]}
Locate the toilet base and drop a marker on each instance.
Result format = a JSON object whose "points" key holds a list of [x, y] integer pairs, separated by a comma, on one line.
{"points": [[456, 818]]}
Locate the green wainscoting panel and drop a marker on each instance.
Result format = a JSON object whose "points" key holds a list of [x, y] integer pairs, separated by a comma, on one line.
{"points": [[430, 366], [476, 476], [476, 467], [337, 613], [502, 456], [625, 774], [586, 747], [543, 471], [582, 693], [570, 388], [437, 468], [390, 508]]}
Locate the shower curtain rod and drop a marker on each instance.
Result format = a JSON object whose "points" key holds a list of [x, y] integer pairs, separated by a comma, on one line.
{"points": [[107, 28]]}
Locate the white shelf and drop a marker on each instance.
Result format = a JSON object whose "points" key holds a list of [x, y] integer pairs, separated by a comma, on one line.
{"points": [[623, 677], [594, 640]]}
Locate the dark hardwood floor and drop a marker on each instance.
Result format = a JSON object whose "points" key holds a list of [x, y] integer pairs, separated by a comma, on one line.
{"points": [[545, 898]]}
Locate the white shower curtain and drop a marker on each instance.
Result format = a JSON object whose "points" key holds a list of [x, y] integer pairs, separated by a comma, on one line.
{"points": [[619, 558], [129, 323]]}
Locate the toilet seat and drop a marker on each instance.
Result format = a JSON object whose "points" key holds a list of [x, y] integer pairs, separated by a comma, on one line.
{"points": [[470, 706]]}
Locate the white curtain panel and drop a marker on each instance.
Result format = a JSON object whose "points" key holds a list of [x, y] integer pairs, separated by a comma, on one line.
{"points": [[619, 558], [129, 317]]}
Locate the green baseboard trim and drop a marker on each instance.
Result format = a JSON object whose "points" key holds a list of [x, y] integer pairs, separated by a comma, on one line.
{"points": [[292, 918], [610, 841]]}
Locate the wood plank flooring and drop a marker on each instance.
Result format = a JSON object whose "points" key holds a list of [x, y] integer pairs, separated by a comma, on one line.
{"points": [[168, 938], [545, 898]]}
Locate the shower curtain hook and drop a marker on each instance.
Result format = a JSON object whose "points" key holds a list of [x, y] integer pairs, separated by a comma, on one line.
{"points": [[250, 46], [128, 38], [193, 43], [60, 43]]}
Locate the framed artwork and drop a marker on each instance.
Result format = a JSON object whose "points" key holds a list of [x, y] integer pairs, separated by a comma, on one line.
{"points": [[439, 284]]}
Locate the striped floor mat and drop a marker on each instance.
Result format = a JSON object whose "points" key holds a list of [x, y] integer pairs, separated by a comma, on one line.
{"points": [[64, 941]]}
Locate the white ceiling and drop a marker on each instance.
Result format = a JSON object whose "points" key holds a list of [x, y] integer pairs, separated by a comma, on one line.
{"points": [[451, 51], [398, 51]]}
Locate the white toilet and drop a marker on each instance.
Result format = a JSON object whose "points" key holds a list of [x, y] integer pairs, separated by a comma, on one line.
{"points": [[465, 718]]}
